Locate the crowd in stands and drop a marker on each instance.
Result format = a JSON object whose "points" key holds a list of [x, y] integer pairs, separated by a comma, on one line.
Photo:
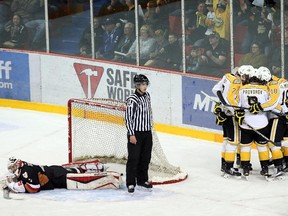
{"points": [[207, 32]]}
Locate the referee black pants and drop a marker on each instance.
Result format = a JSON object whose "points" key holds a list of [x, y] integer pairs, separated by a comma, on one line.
{"points": [[139, 156]]}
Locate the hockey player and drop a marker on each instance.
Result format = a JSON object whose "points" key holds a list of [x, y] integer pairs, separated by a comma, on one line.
{"points": [[249, 94], [225, 89], [244, 72], [31, 178], [277, 124], [138, 119]]}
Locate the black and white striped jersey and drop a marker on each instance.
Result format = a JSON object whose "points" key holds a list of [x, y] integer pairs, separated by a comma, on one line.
{"points": [[138, 115]]}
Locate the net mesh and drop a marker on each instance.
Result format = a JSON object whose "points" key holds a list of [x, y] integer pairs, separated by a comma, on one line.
{"points": [[97, 131]]}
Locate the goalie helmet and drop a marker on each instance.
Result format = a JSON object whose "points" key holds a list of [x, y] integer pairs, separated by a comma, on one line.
{"points": [[14, 165], [265, 74], [141, 79]]}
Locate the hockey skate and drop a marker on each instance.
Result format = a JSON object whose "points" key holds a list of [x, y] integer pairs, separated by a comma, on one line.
{"points": [[232, 172], [246, 172], [131, 189], [278, 175], [264, 172], [145, 186]]}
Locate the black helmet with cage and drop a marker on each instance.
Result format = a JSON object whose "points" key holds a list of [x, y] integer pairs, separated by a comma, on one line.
{"points": [[138, 79]]}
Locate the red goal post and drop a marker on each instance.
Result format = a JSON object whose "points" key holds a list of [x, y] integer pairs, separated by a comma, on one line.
{"points": [[96, 130]]}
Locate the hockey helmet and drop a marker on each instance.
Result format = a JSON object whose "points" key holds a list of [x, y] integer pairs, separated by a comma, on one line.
{"points": [[235, 71], [13, 165], [141, 79], [255, 73], [245, 70], [265, 74]]}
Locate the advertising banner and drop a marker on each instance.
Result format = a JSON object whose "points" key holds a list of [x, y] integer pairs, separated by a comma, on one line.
{"points": [[14, 76], [197, 108]]}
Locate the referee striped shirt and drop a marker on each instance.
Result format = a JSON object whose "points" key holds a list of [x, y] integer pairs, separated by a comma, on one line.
{"points": [[138, 115]]}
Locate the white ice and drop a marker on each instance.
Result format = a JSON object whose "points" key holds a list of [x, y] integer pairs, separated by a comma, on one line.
{"points": [[41, 138]]}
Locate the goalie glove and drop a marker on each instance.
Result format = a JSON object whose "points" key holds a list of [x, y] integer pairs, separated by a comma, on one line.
{"points": [[16, 187], [239, 116], [255, 108], [220, 118], [217, 108]]}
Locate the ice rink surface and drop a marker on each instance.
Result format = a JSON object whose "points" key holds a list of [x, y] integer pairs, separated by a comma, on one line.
{"points": [[41, 138]]}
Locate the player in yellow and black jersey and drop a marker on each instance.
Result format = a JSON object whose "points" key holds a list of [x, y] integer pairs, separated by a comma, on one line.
{"points": [[226, 89], [277, 123], [254, 92]]}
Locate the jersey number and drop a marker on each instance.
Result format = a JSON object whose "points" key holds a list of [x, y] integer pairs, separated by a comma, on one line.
{"points": [[252, 100]]}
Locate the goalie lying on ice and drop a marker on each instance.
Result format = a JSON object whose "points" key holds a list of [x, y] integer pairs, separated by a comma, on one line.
{"points": [[31, 178]]}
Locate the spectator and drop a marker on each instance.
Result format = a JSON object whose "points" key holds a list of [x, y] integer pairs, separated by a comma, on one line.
{"points": [[163, 9], [151, 17], [161, 42], [222, 20], [209, 21], [255, 58], [196, 59], [195, 26], [125, 41], [33, 16], [262, 37], [129, 15], [146, 44], [111, 38], [241, 12], [5, 15], [169, 57], [216, 53], [254, 18], [16, 33], [85, 42], [113, 7]]}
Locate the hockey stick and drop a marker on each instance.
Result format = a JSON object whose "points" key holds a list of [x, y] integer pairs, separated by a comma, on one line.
{"points": [[237, 107], [259, 133], [224, 104]]}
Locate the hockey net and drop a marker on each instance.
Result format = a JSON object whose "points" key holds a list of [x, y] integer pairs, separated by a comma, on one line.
{"points": [[97, 131]]}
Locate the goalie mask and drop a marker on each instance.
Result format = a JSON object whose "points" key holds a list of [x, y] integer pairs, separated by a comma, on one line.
{"points": [[14, 165]]}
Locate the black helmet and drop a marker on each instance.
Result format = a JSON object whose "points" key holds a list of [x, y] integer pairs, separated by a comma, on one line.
{"points": [[140, 79]]}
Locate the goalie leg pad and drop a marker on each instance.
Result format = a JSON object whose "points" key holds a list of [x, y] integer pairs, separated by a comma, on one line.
{"points": [[92, 181]]}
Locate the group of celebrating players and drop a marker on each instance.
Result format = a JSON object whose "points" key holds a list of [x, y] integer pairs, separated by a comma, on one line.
{"points": [[253, 108]]}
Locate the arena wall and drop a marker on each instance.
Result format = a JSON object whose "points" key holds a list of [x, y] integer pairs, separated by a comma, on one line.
{"points": [[46, 82]]}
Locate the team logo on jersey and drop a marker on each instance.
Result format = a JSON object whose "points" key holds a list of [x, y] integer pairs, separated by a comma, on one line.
{"points": [[89, 77], [25, 175]]}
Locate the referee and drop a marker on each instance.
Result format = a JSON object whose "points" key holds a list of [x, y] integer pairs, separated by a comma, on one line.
{"points": [[138, 120]]}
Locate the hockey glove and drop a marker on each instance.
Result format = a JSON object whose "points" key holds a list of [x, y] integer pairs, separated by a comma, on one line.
{"points": [[239, 116], [217, 109], [220, 118], [255, 108], [286, 102], [286, 118]]}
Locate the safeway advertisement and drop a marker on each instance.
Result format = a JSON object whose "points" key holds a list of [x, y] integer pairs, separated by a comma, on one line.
{"points": [[119, 83]]}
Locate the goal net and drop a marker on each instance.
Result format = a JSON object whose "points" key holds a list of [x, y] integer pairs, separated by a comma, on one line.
{"points": [[97, 131]]}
